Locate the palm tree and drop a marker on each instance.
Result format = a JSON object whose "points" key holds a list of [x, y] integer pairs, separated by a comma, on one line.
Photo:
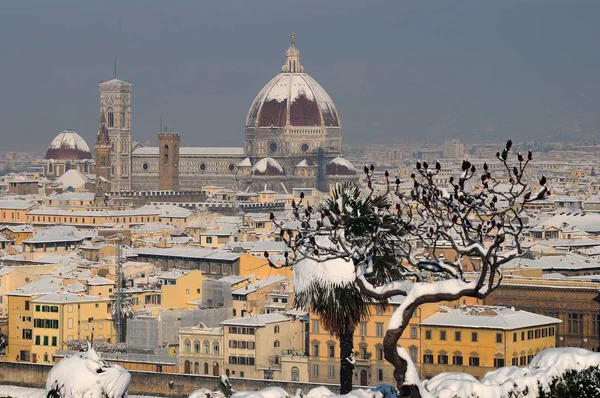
{"points": [[342, 308], [126, 313]]}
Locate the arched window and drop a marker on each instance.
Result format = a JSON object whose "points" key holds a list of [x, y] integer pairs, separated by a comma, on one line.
{"points": [[67, 166], [85, 167], [166, 157], [197, 368], [276, 343], [186, 367], [205, 368], [196, 346], [295, 374], [50, 168], [111, 117], [276, 329], [188, 346], [103, 161], [216, 348]]}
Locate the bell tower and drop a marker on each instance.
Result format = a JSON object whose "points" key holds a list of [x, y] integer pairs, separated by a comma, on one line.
{"points": [[115, 100], [168, 161], [103, 157]]}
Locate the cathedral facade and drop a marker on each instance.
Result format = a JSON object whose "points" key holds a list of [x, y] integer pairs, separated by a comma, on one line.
{"points": [[293, 138]]}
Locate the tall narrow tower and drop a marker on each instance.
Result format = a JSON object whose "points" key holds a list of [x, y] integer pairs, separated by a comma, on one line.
{"points": [[103, 157], [115, 99], [168, 161]]}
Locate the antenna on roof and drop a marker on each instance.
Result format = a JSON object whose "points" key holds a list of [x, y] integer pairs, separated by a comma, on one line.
{"points": [[115, 67], [161, 126]]}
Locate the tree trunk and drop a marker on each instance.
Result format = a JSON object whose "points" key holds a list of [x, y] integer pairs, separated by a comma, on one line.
{"points": [[346, 368]]}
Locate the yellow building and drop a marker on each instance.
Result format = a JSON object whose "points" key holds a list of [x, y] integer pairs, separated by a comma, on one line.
{"points": [[254, 345], [201, 350], [258, 266], [371, 366], [100, 287], [12, 279], [478, 339], [97, 251], [87, 218], [44, 315], [180, 287], [18, 233], [62, 317], [14, 211]]}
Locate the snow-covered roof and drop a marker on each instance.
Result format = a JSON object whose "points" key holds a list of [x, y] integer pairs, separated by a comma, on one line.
{"points": [[72, 178], [194, 151], [99, 281], [62, 297], [588, 222], [306, 163], [47, 285], [253, 287], [86, 196], [115, 82], [245, 163], [567, 261], [206, 254], [68, 145], [15, 204], [168, 210], [487, 317], [233, 279], [173, 274], [256, 320]]}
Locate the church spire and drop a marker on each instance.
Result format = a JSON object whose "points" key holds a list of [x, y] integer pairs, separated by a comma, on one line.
{"points": [[102, 137], [292, 62]]}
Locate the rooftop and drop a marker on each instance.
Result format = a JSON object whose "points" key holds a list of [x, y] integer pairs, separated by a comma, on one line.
{"points": [[256, 320], [487, 317]]}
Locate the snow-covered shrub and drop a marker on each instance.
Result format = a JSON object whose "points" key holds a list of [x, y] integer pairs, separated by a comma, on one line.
{"points": [[574, 383], [85, 375], [544, 371]]}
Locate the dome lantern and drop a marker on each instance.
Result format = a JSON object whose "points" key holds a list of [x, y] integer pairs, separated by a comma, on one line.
{"points": [[292, 61]]}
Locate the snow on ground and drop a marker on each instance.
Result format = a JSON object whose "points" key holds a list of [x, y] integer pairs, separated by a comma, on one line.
{"points": [[499, 383], [24, 392]]}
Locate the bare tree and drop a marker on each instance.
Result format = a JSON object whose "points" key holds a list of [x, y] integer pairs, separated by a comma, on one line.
{"points": [[477, 214]]}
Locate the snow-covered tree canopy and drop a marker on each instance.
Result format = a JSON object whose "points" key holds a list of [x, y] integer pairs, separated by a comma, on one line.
{"points": [[393, 240]]}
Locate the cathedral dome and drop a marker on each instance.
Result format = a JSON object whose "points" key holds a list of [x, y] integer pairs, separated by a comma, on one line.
{"points": [[68, 145], [267, 167], [292, 98], [340, 167]]}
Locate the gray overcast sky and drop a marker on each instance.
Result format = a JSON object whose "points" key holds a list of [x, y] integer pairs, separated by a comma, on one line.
{"points": [[401, 69]]}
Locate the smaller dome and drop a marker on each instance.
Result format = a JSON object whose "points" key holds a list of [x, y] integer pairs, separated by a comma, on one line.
{"points": [[68, 145], [340, 167], [267, 167]]}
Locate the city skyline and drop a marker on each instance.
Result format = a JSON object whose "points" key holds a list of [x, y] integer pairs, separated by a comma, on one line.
{"points": [[394, 69]]}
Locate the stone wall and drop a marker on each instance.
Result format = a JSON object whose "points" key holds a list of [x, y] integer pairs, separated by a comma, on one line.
{"points": [[170, 385]]}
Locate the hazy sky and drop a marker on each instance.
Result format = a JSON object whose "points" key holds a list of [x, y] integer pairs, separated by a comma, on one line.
{"points": [[402, 69]]}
